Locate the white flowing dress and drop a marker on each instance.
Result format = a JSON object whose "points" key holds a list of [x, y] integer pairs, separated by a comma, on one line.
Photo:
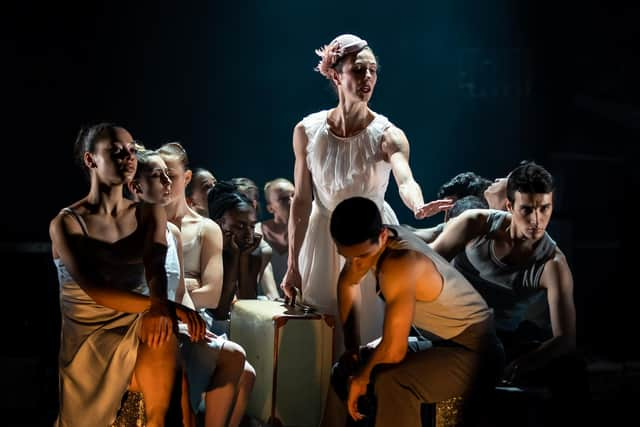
{"points": [[342, 168]]}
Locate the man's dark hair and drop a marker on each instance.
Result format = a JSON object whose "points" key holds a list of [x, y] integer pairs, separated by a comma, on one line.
{"points": [[464, 184], [466, 203], [356, 220], [529, 178]]}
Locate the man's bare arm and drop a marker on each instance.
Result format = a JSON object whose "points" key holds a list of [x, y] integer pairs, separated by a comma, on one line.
{"points": [[398, 284], [460, 231], [558, 281], [348, 308]]}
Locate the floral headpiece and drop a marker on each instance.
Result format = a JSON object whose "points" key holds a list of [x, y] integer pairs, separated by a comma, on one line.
{"points": [[339, 47]]}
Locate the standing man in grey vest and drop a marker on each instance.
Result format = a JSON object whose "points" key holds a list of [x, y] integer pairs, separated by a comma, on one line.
{"points": [[509, 258], [420, 288]]}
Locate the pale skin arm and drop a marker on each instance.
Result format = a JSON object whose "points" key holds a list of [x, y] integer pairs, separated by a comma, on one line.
{"points": [[398, 284], [207, 293], [395, 146], [300, 209], [558, 281], [348, 282]]}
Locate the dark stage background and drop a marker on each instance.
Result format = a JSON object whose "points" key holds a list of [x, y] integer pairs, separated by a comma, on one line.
{"points": [[475, 85]]}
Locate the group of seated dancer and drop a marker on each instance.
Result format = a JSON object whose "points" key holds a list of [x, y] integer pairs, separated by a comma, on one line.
{"points": [[148, 281], [147, 284]]}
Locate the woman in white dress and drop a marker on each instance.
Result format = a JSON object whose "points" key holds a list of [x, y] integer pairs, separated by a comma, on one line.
{"points": [[344, 152]]}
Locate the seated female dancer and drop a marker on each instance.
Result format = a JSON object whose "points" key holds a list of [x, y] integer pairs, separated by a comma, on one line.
{"points": [[243, 265], [107, 248], [228, 380]]}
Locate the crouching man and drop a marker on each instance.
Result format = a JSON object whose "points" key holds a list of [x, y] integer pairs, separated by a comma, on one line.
{"points": [[393, 377]]}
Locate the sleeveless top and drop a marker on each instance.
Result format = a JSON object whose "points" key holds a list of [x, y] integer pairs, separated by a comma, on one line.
{"points": [[112, 269], [132, 274], [508, 289], [456, 308], [191, 251], [346, 167]]}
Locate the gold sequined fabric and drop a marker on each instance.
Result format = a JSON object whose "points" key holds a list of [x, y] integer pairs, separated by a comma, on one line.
{"points": [[131, 413], [449, 412]]}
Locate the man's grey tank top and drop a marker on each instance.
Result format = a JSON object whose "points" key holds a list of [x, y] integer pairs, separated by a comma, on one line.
{"points": [[508, 289], [457, 307]]}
